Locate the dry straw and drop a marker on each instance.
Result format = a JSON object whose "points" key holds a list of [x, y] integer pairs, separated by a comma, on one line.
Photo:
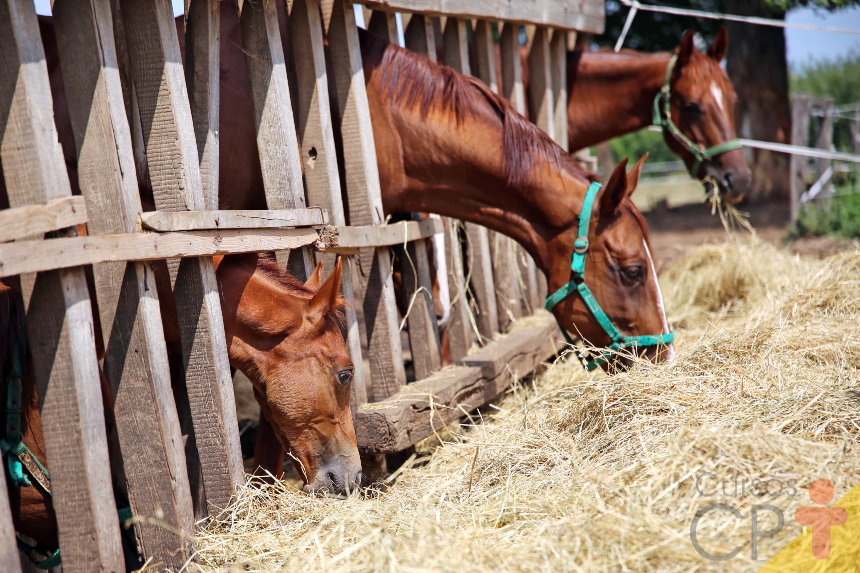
{"points": [[576, 472]]}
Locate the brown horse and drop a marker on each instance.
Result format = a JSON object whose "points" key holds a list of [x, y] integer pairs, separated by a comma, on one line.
{"points": [[611, 94]]}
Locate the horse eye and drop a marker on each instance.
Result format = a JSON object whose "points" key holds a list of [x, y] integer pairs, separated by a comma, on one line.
{"points": [[691, 108], [632, 273], [344, 377]]}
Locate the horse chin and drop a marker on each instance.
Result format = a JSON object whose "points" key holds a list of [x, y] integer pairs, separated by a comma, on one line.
{"points": [[328, 484]]}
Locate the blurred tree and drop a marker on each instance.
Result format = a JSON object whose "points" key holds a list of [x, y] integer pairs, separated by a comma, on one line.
{"points": [[755, 63]]}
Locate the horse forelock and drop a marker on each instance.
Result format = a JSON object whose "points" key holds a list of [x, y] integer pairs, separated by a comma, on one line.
{"points": [[267, 264], [412, 79]]}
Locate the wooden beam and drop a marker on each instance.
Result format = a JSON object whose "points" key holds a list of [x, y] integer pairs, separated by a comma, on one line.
{"points": [[167, 221], [174, 169], [583, 15], [24, 222], [428, 405], [202, 76], [348, 240], [384, 25], [34, 256], [801, 105], [277, 142], [135, 361], [352, 119], [558, 72], [58, 313], [316, 137], [419, 36]]}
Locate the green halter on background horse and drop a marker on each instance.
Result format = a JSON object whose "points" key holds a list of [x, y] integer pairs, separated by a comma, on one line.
{"points": [[662, 118], [577, 284]]}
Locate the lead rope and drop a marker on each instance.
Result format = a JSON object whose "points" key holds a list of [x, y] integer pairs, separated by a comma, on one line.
{"points": [[577, 284]]}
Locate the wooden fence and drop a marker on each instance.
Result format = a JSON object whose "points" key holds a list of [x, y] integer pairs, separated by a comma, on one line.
{"points": [[122, 69]]}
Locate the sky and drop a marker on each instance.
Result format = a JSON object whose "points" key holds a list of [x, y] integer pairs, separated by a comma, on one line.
{"points": [[803, 45]]}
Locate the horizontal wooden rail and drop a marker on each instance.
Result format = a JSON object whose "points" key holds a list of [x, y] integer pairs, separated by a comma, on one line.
{"points": [[580, 15], [21, 222], [166, 221], [35, 256], [348, 240], [426, 406]]}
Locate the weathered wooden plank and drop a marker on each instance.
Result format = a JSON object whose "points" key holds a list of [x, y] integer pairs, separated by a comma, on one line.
{"points": [[135, 361], [364, 197], [480, 262], [34, 256], [384, 25], [558, 71], [427, 406], [202, 76], [419, 36], [540, 83], [9, 554], [277, 141], [459, 325], [316, 137], [174, 170], [166, 221], [347, 240], [32, 220], [801, 105], [583, 15], [59, 317]]}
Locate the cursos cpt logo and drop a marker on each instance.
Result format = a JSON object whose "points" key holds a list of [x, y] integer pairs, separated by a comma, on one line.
{"points": [[819, 517]]}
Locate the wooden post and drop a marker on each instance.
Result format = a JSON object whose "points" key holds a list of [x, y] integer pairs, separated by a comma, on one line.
{"points": [[457, 57], [502, 248], [202, 74], [824, 140], [174, 170], [135, 362], [420, 37], [365, 199], [320, 156], [10, 559], [280, 158], [384, 25], [558, 68], [513, 91], [59, 317], [800, 107]]}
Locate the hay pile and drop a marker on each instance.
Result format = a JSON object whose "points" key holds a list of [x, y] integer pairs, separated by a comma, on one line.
{"points": [[577, 472]]}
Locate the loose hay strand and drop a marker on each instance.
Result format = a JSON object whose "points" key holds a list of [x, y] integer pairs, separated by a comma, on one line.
{"points": [[584, 472]]}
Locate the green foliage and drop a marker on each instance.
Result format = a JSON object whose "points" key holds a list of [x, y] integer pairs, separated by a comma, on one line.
{"points": [[635, 145], [838, 215]]}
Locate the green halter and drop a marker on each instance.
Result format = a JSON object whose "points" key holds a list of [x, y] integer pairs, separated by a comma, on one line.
{"points": [[577, 284], [662, 118]]}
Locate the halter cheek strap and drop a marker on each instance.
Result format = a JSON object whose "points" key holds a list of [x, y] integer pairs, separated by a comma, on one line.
{"points": [[577, 284], [663, 118]]}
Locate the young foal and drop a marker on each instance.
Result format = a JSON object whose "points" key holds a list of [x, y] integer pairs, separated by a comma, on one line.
{"points": [[611, 94]]}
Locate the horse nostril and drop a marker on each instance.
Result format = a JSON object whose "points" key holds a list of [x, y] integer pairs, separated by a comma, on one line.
{"points": [[728, 179], [331, 478]]}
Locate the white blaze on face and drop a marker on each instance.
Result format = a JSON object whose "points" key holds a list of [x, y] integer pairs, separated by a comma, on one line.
{"points": [[718, 95], [652, 272]]}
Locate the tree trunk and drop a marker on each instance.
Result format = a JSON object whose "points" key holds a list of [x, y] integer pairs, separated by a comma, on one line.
{"points": [[757, 66]]}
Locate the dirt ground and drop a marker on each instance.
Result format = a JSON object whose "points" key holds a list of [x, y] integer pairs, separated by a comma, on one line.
{"points": [[675, 230]]}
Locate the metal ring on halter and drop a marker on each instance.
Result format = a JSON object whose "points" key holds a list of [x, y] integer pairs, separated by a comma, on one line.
{"points": [[580, 245]]}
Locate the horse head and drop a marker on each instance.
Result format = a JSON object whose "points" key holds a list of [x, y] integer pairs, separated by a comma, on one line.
{"points": [[619, 274], [701, 104], [286, 338]]}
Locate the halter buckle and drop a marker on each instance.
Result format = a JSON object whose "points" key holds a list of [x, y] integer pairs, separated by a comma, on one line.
{"points": [[580, 245]]}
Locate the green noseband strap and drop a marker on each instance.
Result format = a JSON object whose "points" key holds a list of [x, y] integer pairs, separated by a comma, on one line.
{"points": [[577, 284], [663, 118]]}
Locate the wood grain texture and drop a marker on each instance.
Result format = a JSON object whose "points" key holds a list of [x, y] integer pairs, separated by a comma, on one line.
{"points": [[483, 288], [202, 76], [34, 256], [32, 220], [801, 105], [166, 221], [384, 25], [9, 554], [350, 239], [419, 36], [58, 316], [583, 15], [316, 137], [459, 326], [558, 72], [361, 178], [277, 142], [174, 169], [428, 405], [135, 361]]}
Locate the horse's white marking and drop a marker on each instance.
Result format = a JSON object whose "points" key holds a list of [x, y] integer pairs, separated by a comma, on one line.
{"points": [[441, 273], [652, 271], [718, 95]]}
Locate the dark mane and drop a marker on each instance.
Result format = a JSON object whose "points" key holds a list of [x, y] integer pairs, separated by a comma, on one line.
{"points": [[416, 80]]}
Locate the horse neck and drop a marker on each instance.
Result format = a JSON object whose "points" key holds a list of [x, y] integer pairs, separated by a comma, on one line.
{"points": [[611, 94]]}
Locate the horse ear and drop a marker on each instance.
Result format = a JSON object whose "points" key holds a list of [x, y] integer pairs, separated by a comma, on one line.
{"points": [[325, 299], [313, 282], [614, 191], [686, 49], [633, 175], [717, 49]]}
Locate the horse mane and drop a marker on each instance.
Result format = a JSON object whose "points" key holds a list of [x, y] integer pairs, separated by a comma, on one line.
{"points": [[413, 79], [268, 265]]}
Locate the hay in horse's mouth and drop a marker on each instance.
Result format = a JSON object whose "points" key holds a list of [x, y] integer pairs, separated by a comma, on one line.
{"points": [[589, 472]]}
